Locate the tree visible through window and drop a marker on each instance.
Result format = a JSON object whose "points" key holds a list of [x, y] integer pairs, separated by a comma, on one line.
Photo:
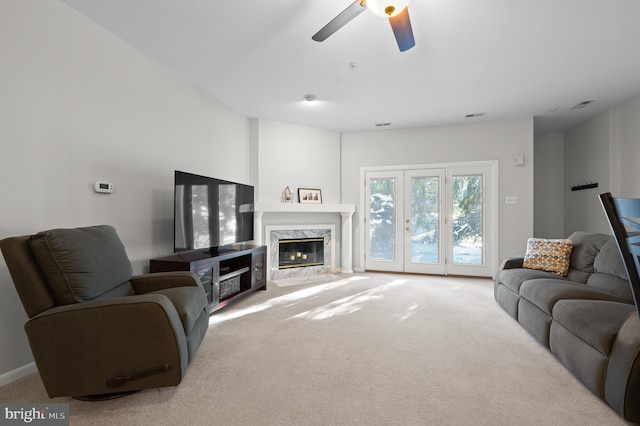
{"points": [[382, 225], [425, 219], [467, 219]]}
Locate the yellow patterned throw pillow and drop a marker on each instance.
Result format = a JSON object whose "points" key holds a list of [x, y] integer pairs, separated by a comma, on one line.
{"points": [[548, 255]]}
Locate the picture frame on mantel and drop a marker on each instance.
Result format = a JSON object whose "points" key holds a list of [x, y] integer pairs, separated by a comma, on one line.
{"points": [[309, 196]]}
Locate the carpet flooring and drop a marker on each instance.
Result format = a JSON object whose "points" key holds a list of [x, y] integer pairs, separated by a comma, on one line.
{"points": [[366, 349]]}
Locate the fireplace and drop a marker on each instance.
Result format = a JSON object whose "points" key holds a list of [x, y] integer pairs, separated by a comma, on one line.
{"points": [[300, 250]]}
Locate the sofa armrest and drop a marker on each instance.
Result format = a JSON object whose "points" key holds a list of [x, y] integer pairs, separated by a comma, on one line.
{"points": [[78, 348], [622, 380], [511, 263], [146, 283]]}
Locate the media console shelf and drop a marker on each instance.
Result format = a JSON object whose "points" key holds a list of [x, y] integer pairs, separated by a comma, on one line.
{"points": [[226, 276]]}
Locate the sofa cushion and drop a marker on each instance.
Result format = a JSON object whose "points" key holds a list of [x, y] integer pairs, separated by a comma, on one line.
{"points": [[609, 260], [513, 278], [595, 321], [612, 285], [548, 255], [585, 249], [610, 274], [544, 293], [83, 263]]}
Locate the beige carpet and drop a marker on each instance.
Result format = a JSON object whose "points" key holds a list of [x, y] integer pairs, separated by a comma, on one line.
{"points": [[370, 349], [309, 279]]}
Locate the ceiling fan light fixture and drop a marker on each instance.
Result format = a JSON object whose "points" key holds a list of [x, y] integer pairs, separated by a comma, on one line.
{"points": [[387, 8], [310, 97]]}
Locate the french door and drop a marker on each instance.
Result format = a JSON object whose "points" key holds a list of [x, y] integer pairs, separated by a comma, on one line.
{"points": [[430, 220]]}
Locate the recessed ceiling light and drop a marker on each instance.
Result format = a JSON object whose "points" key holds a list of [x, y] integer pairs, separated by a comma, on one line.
{"points": [[310, 97]]}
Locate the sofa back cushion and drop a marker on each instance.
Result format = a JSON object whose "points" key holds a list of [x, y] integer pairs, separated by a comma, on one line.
{"points": [[585, 249], [82, 264], [609, 272]]}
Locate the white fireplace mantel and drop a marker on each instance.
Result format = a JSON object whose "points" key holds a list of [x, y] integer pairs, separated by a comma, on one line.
{"points": [[304, 208], [345, 210]]}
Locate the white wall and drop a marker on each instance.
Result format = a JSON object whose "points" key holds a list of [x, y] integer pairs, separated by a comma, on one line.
{"points": [[297, 157], [77, 105], [549, 186], [473, 142]]}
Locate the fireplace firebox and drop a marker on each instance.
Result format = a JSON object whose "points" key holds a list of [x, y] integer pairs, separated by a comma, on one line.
{"points": [[300, 252]]}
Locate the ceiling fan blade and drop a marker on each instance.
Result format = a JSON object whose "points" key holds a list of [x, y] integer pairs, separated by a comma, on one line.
{"points": [[401, 25], [355, 9]]}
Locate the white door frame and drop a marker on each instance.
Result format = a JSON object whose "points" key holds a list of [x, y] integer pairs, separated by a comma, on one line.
{"points": [[493, 220]]}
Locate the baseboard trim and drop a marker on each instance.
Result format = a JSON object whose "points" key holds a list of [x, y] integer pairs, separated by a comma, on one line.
{"points": [[18, 373]]}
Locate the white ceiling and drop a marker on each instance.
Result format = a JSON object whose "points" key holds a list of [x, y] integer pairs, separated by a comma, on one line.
{"points": [[505, 58]]}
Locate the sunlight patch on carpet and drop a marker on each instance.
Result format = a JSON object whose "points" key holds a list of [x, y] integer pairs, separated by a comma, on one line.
{"points": [[349, 304], [310, 279], [282, 300]]}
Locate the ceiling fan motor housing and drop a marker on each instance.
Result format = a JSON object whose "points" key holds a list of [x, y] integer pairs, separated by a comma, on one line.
{"points": [[387, 8]]}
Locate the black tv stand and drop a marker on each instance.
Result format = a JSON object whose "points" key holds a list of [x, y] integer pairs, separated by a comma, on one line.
{"points": [[217, 251], [227, 275]]}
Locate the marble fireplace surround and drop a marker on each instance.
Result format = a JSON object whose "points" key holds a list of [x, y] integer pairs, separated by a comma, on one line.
{"points": [[275, 233], [263, 236]]}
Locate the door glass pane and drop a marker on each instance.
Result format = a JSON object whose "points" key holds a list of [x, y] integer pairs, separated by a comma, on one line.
{"points": [[467, 219], [425, 219], [382, 224]]}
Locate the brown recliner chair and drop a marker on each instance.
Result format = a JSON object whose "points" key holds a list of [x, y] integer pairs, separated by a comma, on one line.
{"points": [[95, 330]]}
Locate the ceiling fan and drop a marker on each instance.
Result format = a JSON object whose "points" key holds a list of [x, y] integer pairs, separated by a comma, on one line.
{"points": [[395, 10]]}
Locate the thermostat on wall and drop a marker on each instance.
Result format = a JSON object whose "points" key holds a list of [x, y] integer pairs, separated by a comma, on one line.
{"points": [[103, 187]]}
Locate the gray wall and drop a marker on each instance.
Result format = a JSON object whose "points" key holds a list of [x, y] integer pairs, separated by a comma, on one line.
{"points": [[625, 150], [586, 154], [549, 186], [604, 149]]}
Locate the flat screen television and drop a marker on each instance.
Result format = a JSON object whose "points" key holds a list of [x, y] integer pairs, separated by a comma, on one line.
{"points": [[210, 213]]}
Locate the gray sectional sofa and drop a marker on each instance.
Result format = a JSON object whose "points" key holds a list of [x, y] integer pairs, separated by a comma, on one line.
{"points": [[587, 318]]}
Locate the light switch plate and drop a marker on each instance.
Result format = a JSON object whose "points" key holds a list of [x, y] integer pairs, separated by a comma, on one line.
{"points": [[519, 160]]}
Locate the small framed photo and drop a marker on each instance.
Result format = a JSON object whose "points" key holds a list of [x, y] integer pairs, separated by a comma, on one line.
{"points": [[309, 196]]}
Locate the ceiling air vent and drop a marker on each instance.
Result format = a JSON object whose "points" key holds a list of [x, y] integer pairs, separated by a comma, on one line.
{"points": [[383, 124], [582, 104], [475, 114]]}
